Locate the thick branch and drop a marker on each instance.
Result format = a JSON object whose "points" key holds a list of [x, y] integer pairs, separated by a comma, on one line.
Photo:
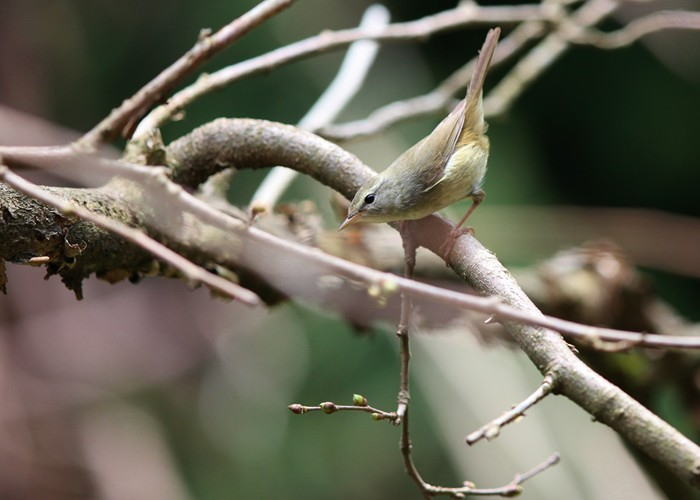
{"points": [[254, 143], [136, 236]]}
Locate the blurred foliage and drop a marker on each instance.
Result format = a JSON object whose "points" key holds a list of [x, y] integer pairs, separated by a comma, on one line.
{"points": [[607, 128]]}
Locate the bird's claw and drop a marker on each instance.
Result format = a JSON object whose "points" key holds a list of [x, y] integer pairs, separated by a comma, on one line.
{"points": [[448, 245]]}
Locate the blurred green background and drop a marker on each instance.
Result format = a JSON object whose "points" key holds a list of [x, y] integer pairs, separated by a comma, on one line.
{"points": [[202, 413]]}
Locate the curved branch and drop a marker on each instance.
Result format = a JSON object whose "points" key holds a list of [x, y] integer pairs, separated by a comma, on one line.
{"points": [[257, 143]]}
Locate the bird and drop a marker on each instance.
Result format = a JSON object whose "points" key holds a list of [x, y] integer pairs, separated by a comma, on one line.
{"points": [[447, 165]]}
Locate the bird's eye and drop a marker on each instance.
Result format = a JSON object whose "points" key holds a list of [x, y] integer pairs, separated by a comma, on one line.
{"points": [[369, 199]]}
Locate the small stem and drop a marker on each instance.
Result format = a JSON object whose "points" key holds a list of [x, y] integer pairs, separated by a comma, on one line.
{"points": [[329, 407], [404, 395], [491, 429]]}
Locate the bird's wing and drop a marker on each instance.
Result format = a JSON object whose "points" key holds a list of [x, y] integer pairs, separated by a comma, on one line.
{"points": [[433, 153], [469, 112]]}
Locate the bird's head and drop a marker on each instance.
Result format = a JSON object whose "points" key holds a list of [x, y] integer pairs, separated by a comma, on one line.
{"points": [[373, 202]]}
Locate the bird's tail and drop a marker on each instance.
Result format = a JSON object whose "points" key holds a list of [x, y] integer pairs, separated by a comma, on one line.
{"points": [[474, 112]]}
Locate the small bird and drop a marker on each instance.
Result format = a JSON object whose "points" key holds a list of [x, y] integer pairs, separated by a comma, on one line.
{"points": [[446, 166]]}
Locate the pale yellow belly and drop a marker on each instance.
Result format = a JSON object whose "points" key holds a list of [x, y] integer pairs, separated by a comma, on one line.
{"points": [[464, 174]]}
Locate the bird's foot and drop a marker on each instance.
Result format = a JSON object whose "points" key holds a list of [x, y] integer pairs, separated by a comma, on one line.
{"points": [[448, 245]]}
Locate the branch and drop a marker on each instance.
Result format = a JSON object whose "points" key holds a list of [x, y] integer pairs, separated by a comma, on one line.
{"points": [[360, 404], [191, 271], [512, 489], [256, 143], [544, 55], [428, 490], [207, 45], [439, 99], [493, 428], [345, 85], [638, 28], [460, 16], [502, 96]]}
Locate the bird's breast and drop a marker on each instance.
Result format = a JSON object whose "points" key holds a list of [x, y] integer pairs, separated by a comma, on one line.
{"points": [[464, 172]]}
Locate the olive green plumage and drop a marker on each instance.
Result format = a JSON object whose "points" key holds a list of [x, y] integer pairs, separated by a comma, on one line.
{"points": [[442, 168]]}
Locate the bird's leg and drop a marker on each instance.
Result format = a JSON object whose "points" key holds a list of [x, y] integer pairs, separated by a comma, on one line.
{"points": [[404, 396], [446, 249], [409, 246]]}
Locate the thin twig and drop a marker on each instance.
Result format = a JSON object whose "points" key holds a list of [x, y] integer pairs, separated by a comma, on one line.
{"points": [[345, 85], [409, 248], [401, 415], [402, 412], [503, 95], [404, 396], [330, 407], [512, 489], [487, 305], [328, 40], [439, 99], [493, 428], [638, 28], [428, 490], [544, 55], [191, 271], [207, 45]]}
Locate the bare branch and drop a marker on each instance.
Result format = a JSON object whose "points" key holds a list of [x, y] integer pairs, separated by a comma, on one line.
{"points": [[360, 404], [257, 143], [510, 490], [439, 99], [342, 89], [419, 29], [503, 95], [207, 45], [493, 428], [544, 55], [638, 28], [428, 490], [191, 271]]}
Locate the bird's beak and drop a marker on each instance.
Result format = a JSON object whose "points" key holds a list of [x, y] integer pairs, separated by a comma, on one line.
{"points": [[350, 219]]}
